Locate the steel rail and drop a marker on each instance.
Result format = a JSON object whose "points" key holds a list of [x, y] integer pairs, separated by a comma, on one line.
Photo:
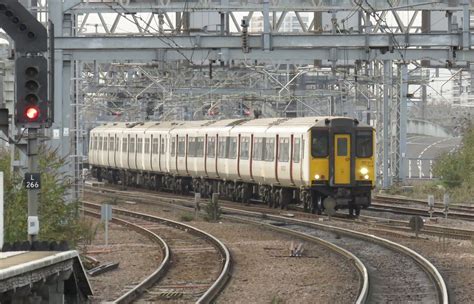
{"points": [[359, 265], [157, 275], [416, 211], [212, 292], [423, 262], [403, 201], [433, 230], [361, 268]]}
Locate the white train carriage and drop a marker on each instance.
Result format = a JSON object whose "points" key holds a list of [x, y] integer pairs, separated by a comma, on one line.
{"points": [[277, 160], [158, 137]]}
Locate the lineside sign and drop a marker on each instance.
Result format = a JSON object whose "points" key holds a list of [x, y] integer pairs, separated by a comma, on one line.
{"points": [[32, 181]]}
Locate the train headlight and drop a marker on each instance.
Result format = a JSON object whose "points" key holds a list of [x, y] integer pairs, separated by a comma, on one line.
{"points": [[366, 176], [317, 176], [364, 171]]}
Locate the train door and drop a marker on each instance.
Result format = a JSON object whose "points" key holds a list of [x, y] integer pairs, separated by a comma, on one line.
{"points": [[342, 159]]}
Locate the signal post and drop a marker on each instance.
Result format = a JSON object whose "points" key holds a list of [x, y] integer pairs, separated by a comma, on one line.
{"points": [[33, 109]]}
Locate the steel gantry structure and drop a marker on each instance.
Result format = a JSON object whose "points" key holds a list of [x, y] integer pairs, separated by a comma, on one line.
{"points": [[348, 57]]}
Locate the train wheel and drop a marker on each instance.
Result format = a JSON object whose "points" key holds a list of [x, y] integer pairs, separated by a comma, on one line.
{"points": [[319, 210], [285, 198], [306, 200], [268, 197], [99, 175], [314, 202], [276, 198]]}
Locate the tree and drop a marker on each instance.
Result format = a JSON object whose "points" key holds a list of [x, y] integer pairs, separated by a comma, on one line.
{"points": [[59, 219], [456, 169]]}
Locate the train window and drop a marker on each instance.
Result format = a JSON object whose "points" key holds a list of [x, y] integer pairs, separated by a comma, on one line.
{"points": [[284, 149], [117, 144], [104, 144], [124, 145], [192, 146], [94, 143], [232, 147], [139, 145], [147, 146], [296, 150], [269, 149], [257, 152], [221, 147], [111, 144], [319, 143], [244, 148], [211, 147], [131, 149], [342, 147], [181, 146], [154, 146], [163, 145], [364, 144], [199, 146], [173, 146]]}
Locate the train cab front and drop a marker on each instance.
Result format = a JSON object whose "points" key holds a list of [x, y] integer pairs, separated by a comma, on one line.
{"points": [[342, 165]]}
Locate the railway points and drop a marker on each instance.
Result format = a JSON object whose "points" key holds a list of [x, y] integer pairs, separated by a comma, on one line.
{"points": [[258, 251], [264, 217], [194, 256]]}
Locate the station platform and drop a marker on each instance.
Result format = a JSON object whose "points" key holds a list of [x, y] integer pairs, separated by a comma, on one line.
{"points": [[43, 277]]}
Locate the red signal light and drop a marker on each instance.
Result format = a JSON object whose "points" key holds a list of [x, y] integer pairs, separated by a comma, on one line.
{"points": [[32, 113]]}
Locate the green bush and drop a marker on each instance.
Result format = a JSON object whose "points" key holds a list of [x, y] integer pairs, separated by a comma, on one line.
{"points": [[187, 217], [213, 211], [456, 170], [59, 220]]}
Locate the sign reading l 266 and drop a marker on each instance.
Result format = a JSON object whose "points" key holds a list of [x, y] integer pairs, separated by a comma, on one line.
{"points": [[32, 181]]}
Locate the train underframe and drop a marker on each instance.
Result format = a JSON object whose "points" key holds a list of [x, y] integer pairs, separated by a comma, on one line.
{"points": [[315, 199]]}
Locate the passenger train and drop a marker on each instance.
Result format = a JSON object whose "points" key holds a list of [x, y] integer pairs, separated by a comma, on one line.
{"points": [[318, 162]]}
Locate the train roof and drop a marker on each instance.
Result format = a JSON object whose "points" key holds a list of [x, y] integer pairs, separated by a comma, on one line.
{"points": [[301, 123]]}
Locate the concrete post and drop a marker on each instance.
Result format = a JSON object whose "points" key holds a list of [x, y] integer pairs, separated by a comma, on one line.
{"points": [[387, 83], [32, 148], [403, 122]]}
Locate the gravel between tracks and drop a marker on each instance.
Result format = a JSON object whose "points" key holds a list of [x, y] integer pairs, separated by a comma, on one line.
{"points": [[453, 258], [262, 270], [138, 257]]}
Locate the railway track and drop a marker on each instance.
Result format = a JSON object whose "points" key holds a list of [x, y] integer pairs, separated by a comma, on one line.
{"points": [[415, 207], [190, 255], [371, 221], [396, 273]]}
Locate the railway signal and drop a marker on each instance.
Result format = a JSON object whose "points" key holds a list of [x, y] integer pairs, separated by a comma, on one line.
{"points": [[32, 108], [27, 32]]}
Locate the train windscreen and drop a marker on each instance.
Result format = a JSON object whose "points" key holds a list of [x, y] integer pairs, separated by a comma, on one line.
{"points": [[319, 143], [364, 145]]}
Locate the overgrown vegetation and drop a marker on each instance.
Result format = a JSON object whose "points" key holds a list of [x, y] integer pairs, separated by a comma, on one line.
{"points": [[213, 211], [186, 217], [58, 220], [456, 170]]}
